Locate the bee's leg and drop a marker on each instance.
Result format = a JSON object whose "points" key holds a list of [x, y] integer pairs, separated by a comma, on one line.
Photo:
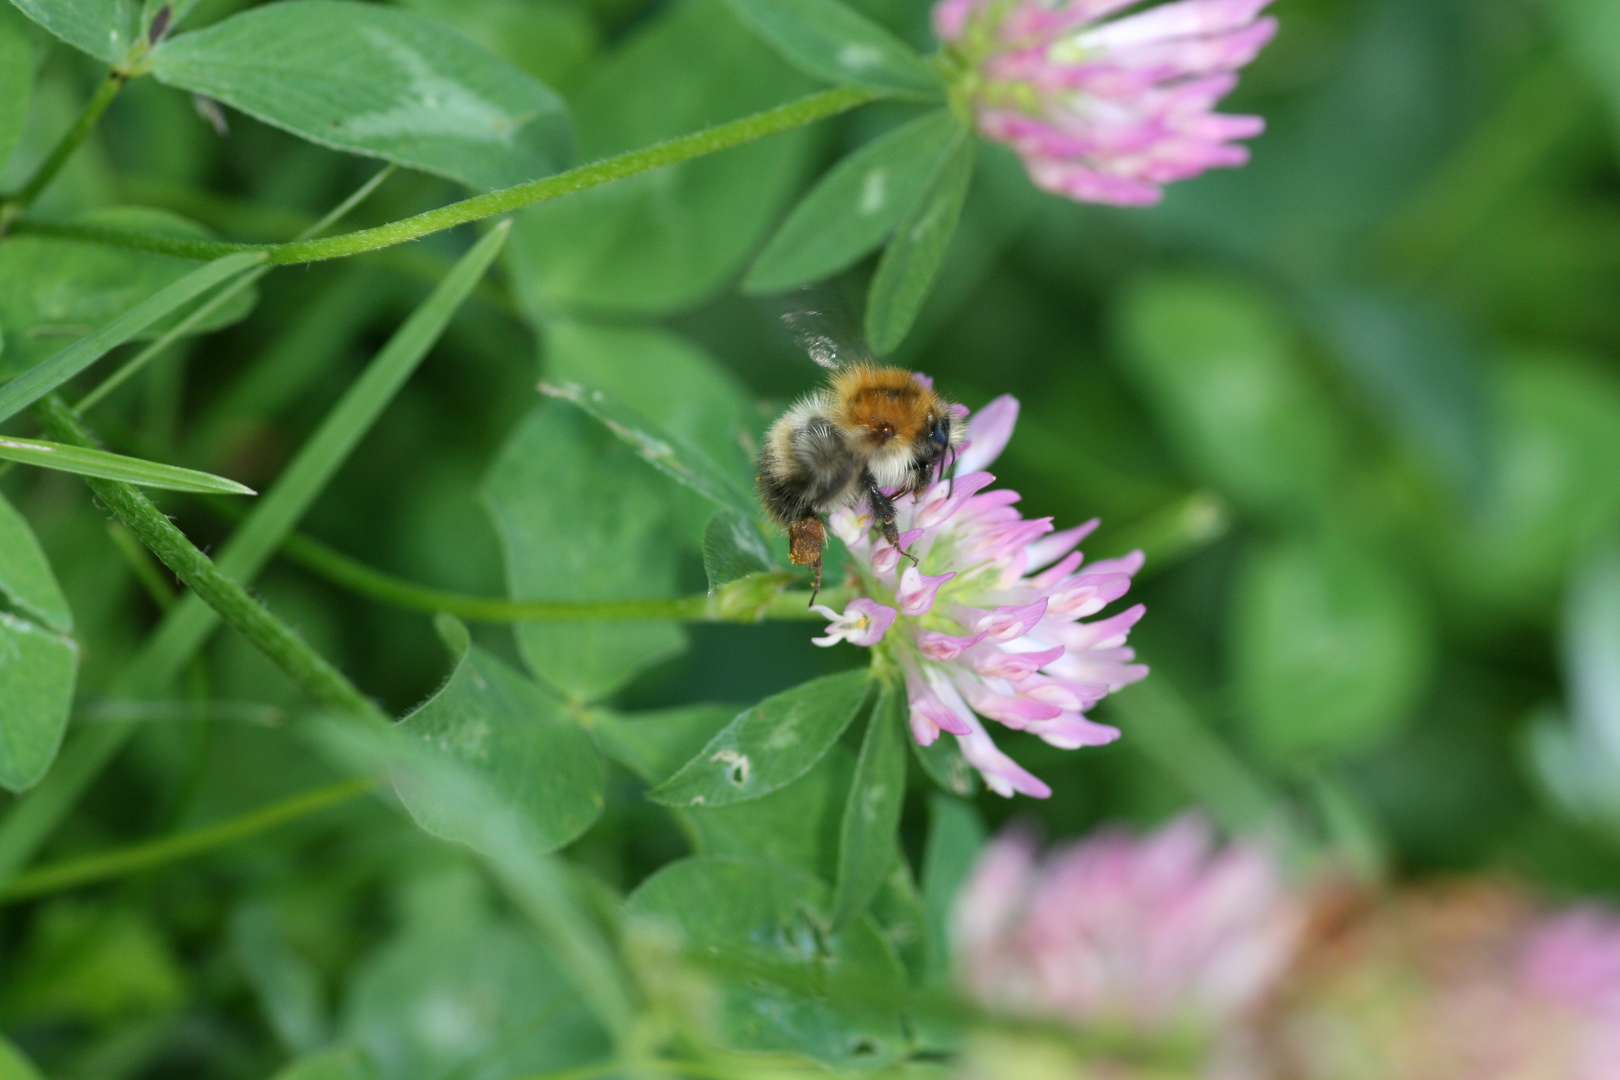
{"points": [[806, 538], [883, 511]]}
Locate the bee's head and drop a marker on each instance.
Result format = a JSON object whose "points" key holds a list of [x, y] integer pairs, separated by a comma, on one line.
{"points": [[939, 434]]}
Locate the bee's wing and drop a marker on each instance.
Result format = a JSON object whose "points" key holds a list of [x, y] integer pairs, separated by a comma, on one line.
{"points": [[823, 334]]}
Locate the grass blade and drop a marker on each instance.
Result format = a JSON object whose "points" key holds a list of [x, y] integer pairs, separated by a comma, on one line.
{"points": [[185, 628], [109, 466], [47, 375]]}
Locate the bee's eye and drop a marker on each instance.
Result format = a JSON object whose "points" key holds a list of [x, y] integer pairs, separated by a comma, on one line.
{"points": [[941, 435]]}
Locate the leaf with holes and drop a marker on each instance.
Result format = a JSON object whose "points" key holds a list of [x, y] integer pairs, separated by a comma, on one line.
{"points": [[770, 745], [788, 983]]}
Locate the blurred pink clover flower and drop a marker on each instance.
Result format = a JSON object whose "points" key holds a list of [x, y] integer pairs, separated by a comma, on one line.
{"points": [[1107, 111]]}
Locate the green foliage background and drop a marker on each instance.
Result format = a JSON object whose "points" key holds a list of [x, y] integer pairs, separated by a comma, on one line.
{"points": [[1359, 402]]}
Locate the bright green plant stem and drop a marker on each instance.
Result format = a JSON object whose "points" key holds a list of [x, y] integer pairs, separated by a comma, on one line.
{"points": [[670, 152], [311, 671], [72, 873], [350, 573], [25, 196]]}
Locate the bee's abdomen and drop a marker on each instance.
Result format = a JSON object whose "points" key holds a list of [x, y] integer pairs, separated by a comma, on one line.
{"points": [[806, 467]]}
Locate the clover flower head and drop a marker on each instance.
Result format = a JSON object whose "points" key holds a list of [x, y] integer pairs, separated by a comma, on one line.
{"points": [[1108, 111], [1154, 935], [1464, 982], [987, 624]]}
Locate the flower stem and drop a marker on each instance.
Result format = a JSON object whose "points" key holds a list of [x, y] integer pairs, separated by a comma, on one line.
{"points": [[24, 198], [72, 873], [672, 151], [355, 575], [313, 673]]}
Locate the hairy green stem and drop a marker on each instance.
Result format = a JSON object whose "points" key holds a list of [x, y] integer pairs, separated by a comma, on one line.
{"points": [[670, 152], [313, 673], [351, 573], [72, 873], [25, 196]]}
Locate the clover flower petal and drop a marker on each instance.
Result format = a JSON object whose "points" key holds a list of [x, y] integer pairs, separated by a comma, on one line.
{"points": [[1108, 110], [863, 622]]}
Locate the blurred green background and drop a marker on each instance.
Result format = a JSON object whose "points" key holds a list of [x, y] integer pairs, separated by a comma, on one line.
{"points": [[1359, 401]]}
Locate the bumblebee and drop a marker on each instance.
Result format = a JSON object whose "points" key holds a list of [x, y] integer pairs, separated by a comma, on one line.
{"points": [[874, 431]]}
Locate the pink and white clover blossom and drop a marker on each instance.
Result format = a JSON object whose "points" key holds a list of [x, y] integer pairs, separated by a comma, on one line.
{"points": [[987, 626], [1159, 934], [1108, 111]]}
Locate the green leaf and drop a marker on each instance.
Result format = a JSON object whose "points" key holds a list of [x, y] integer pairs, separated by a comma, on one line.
{"points": [[657, 373], [25, 575], [855, 205], [335, 1063], [553, 40], [1223, 371], [289, 987], [16, 83], [13, 1066], [514, 737], [86, 462], [732, 549], [460, 991], [1579, 757], [37, 670], [790, 984], [106, 29], [1553, 490], [1591, 27], [914, 255], [770, 745], [54, 291], [46, 376], [867, 843], [1425, 377], [795, 826], [667, 240], [669, 454], [379, 81], [828, 39], [1331, 649], [565, 541], [945, 766], [955, 835], [539, 885], [276, 513]]}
